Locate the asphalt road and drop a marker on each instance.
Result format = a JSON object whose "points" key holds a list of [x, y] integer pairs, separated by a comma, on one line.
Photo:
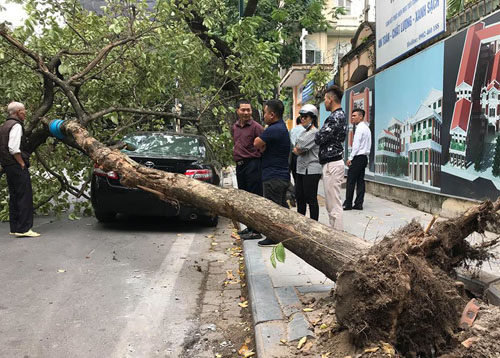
{"points": [[83, 289]]}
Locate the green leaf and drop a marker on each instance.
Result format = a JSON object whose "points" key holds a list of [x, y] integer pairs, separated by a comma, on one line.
{"points": [[73, 216], [280, 252], [117, 29], [114, 118], [273, 257]]}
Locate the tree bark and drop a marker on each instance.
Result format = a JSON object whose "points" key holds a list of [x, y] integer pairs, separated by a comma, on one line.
{"points": [[398, 291], [324, 248]]}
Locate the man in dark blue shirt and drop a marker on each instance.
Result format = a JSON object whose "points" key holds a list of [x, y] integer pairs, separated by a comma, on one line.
{"points": [[274, 143]]}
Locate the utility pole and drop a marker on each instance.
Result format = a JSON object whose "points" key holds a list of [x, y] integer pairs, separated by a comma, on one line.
{"points": [[242, 7]]}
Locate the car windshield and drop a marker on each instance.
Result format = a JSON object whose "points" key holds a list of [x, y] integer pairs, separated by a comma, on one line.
{"points": [[164, 144]]}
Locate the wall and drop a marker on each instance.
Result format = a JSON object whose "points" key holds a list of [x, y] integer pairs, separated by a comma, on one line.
{"points": [[435, 117]]}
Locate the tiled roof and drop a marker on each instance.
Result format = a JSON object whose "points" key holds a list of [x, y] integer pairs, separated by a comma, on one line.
{"points": [[470, 55], [461, 114]]}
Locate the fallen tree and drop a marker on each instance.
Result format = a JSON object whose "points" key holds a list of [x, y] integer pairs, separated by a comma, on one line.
{"points": [[399, 291]]}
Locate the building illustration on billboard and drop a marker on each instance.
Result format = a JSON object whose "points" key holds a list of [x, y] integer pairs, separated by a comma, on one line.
{"points": [[480, 63], [412, 149], [361, 100]]}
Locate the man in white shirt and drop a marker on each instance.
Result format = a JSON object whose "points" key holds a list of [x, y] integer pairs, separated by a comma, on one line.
{"points": [[358, 159], [15, 164]]}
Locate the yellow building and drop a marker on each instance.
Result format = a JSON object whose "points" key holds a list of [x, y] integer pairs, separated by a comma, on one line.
{"points": [[325, 49]]}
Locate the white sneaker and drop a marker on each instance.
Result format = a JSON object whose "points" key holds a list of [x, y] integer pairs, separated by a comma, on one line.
{"points": [[29, 233]]}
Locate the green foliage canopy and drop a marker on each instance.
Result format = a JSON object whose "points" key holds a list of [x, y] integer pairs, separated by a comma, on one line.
{"points": [[124, 70]]}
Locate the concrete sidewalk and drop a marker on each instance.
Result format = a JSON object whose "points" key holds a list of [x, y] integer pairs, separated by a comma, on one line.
{"points": [[276, 309]]}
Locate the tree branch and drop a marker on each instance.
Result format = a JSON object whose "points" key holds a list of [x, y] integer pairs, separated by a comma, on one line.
{"points": [[251, 8], [121, 129], [220, 48], [44, 70], [100, 56], [48, 97], [4, 32], [65, 185], [77, 33], [135, 110]]}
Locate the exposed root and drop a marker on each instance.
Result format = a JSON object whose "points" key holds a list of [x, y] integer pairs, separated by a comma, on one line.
{"points": [[402, 292]]}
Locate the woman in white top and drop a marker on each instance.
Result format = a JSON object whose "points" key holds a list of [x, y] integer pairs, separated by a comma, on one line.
{"points": [[308, 167]]}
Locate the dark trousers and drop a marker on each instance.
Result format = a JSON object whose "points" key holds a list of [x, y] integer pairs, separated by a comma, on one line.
{"points": [[293, 170], [20, 198], [356, 178], [293, 167], [249, 176], [306, 193], [275, 190]]}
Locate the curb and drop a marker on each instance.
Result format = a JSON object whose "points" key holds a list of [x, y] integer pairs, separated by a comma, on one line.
{"points": [[485, 285], [276, 312]]}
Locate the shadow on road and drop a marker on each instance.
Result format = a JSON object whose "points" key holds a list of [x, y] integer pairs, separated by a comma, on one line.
{"points": [[152, 224]]}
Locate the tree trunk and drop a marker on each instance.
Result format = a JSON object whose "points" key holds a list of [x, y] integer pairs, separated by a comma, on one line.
{"points": [[398, 291], [320, 246]]}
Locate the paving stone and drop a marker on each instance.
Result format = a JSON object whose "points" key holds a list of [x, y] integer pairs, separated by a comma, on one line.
{"points": [[212, 298], [315, 288], [267, 340], [472, 284], [298, 327], [231, 309], [265, 306], [288, 300], [231, 294], [253, 258], [493, 293]]}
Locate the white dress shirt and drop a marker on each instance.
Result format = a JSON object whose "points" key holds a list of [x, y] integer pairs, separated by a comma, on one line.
{"points": [[362, 142], [15, 134]]}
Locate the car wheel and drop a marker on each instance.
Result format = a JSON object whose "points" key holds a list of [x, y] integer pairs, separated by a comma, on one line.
{"points": [[210, 221], [105, 217]]}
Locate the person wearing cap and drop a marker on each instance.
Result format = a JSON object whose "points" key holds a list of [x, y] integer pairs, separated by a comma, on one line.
{"points": [[15, 163], [358, 159], [247, 157], [331, 138], [308, 167]]}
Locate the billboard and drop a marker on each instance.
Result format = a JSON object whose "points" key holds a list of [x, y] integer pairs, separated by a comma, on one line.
{"points": [[471, 111], [408, 121], [404, 24]]}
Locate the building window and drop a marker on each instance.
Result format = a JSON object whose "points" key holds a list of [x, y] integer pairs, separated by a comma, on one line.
{"points": [[313, 56], [346, 4]]}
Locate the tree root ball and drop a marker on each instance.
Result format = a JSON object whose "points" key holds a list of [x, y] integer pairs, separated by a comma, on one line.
{"points": [[398, 297]]}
